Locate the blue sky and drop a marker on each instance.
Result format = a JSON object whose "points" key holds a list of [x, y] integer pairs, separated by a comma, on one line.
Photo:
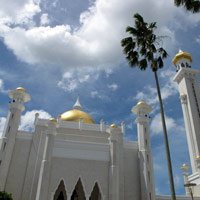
{"points": [[58, 50]]}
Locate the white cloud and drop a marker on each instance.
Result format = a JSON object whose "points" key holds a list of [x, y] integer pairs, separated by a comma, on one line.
{"points": [[2, 90], [156, 124], [73, 79], [27, 120], [149, 94], [44, 20], [95, 42], [18, 12], [113, 86]]}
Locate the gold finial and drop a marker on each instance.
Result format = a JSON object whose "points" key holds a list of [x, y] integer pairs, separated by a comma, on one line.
{"points": [[21, 89], [113, 126], [52, 120], [185, 166], [141, 102], [198, 157]]}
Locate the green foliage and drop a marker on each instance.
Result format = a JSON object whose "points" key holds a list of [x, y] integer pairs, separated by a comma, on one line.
{"points": [[143, 46], [5, 196], [190, 5]]}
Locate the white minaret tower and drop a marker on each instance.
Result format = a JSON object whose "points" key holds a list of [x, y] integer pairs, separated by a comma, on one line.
{"points": [[116, 179], [186, 78], [7, 141], [145, 154]]}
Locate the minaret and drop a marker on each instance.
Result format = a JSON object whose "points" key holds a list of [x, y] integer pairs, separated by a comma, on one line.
{"points": [[186, 78], [145, 154], [7, 142], [116, 179]]}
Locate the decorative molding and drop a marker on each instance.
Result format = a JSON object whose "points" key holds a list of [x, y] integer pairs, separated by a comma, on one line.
{"points": [[187, 73], [130, 145], [80, 150], [24, 135], [183, 98]]}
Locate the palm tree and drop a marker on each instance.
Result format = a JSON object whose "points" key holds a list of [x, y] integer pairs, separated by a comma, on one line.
{"points": [[143, 49], [190, 5], [5, 195]]}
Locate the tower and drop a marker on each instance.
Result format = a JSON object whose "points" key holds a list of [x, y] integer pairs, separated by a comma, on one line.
{"points": [[186, 78], [145, 154], [116, 163], [7, 142]]}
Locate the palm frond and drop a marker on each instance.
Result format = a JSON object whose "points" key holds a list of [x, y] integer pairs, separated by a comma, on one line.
{"points": [[143, 64]]}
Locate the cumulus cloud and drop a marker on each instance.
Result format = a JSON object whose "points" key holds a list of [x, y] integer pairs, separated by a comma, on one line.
{"points": [[94, 43], [156, 124], [27, 120], [73, 79], [149, 94], [44, 20], [18, 12]]}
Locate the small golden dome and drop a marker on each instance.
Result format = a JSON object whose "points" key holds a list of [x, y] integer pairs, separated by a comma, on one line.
{"points": [[113, 126], [198, 157], [76, 115], [185, 166], [21, 89], [141, 102], [52, 120], [180, 56]]}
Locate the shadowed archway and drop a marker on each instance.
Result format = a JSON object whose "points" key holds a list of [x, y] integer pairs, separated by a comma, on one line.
{"points": [[60, 193], [96, 194], [78, 193]]}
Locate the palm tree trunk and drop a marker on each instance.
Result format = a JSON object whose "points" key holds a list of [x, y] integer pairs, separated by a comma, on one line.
{"points": [[171, 181]]}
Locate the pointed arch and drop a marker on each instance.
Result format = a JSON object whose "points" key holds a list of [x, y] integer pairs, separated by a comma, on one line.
{"points": [[60, 193], [78, 192], [96, 193]]}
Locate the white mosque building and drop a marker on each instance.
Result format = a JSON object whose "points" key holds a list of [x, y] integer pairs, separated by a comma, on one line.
{"points": [[72, 158]]}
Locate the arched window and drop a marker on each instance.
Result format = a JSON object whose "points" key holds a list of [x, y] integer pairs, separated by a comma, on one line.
{"points": [[60, 193], [95, 195], [78, 193]]}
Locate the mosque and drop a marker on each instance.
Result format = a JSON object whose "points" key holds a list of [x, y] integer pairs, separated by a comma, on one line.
{"points": [[73, 158]]}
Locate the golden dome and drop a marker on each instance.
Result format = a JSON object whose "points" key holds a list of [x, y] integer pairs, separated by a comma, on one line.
{"points": [[52, 120], [185, 166], [76, 115], [113, 126], [180, 56], [141, 102], [21, 89]]}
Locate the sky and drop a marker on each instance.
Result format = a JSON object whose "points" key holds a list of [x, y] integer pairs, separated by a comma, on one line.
{"points": [[60, 49]]}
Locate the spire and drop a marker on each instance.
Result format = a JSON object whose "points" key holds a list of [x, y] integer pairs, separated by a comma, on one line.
{"points": [[77, 105]]}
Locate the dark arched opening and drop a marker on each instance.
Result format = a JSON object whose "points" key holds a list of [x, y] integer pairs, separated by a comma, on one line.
{"points": [[60, 193], [95, 195], [78, 193]]}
